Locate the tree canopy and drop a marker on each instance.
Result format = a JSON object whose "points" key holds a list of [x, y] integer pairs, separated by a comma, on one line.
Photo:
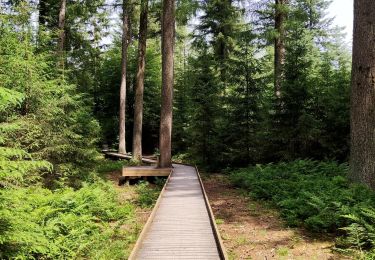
{"points": [[249, 83]]}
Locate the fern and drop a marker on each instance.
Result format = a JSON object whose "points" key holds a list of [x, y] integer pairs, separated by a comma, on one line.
{"points": [[317, 196], [9, 98], [37, 223]]}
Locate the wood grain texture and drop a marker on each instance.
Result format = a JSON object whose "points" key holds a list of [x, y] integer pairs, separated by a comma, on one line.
{"points": [[181, 227], [140, 171]]}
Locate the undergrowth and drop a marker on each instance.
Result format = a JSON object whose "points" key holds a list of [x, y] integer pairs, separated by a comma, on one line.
{"points": [[37, 223], [147, 194], [317, 196], [88, 222]]}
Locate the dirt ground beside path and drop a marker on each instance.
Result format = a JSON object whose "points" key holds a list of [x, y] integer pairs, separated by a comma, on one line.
{"points": [[253, 231]]}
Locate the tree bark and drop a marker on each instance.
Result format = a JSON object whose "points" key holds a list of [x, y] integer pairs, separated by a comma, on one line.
{"points": [[362, 114], [139, 87], [124, 51], [168, 23], [61, 39], [280, 16]]}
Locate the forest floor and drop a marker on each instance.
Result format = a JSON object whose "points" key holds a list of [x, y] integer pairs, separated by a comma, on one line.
{"points": [[253, 230], [129, 193]]}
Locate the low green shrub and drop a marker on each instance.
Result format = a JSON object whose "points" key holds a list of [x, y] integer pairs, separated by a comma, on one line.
{"points": [[317, 196], [37, 223], [147, 194], [107, 166]]}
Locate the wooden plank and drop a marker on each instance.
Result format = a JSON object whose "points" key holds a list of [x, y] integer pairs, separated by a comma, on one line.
{"points": [[140, 171], [148, 223], [180, 227], [128, 157], [221, 248]]}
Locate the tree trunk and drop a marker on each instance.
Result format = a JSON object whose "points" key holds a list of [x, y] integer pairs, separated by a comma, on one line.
{"points": [[42, 12], [61, 40], [122, 142], [138, 106], [280, 15], [362, 113], [168, 23]]}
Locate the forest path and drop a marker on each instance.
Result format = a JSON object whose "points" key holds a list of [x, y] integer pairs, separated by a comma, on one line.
{"points": [[182, 225], [254, 229]]}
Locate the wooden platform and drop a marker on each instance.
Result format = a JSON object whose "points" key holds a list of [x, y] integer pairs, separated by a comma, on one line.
{"points": [[145, 171], [128, 157], [181, 225]]}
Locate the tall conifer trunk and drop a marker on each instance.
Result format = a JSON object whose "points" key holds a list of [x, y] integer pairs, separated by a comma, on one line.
{"points": [[61, 39], [124, 51], [362, 113], [139, 87], [280, 16], [168, 23]]}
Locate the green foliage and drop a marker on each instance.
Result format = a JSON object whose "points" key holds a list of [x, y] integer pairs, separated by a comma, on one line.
{"points": [[361, 231], [107, 166], [147, 195], [46, 121], [47, 139], [311, 103], [19, 172], [37, 223], [108, 93], [315, 195], [226, 114], [9, 98]]}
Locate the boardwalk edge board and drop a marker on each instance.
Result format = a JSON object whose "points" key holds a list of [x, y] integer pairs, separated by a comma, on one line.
{"points": [[148, 223], [215, 229], [219, 242]]}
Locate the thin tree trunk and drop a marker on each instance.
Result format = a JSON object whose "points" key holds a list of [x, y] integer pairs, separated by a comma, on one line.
{"points": [[122, 142], [280, 15], [168, 23], [362, 114], [42, 12], [139, 88], [61, 40], [248, 126], [311, 23]]}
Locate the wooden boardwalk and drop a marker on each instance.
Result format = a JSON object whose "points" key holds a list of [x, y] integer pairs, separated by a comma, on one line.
{"points": [[181, 225]]}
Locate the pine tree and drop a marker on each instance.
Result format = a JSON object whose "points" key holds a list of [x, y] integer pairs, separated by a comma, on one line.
{"points": [[362, 153], [280, 16], [168, 23], [124, 53], [61, 40], [139, 89]]}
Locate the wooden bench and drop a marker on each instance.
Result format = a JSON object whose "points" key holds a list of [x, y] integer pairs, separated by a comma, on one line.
{"points": [[145, 171]]}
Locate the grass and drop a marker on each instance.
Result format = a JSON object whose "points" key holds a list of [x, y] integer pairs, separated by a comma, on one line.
{"points": [[241, 240], [282, 251], [219, 221]]}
